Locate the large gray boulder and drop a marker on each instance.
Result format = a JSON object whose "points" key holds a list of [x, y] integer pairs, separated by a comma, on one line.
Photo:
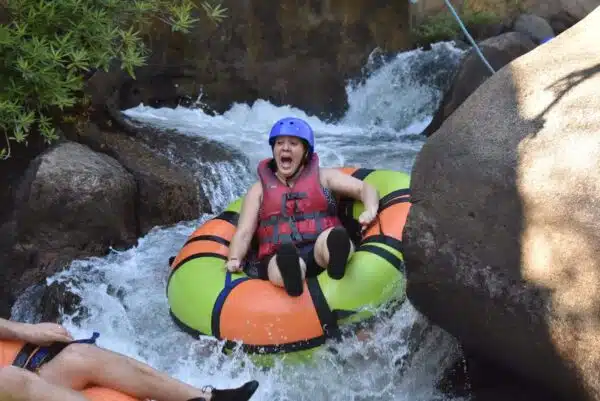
{"points": [[71, 203], [502, 244], [166, 193], [534, 26]]}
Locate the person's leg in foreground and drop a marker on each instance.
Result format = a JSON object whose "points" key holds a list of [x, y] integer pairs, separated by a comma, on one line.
{"points": [[18, 384], [81, 365], [63, 366]]}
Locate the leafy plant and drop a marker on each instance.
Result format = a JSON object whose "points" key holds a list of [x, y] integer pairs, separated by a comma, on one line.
{"points": [[443, 26], [48, 47]]}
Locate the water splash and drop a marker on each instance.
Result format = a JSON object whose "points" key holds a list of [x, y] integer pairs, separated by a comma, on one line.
{"points": [[400, 94]]}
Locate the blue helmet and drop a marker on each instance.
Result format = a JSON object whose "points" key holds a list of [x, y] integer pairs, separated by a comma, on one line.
{"points": [[291, 126]]}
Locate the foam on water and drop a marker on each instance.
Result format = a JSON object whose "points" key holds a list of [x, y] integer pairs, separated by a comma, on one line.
{"points": [[124, 292], [387, 112]]}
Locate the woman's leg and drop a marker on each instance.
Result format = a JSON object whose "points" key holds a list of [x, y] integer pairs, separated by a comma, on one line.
{"points": [[286, 269], [333, 249], [81, 365]]}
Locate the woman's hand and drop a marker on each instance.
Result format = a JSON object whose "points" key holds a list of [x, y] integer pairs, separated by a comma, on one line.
{"points": [[366, 218], [43, 333], [346, 185], [233, 265]]}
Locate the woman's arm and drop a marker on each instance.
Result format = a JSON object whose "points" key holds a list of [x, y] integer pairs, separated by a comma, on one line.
{"points": [[349, 186], [247, 223], [39, 334]]}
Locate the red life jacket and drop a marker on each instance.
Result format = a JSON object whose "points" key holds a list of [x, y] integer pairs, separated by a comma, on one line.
{"points": [[298, 214]]}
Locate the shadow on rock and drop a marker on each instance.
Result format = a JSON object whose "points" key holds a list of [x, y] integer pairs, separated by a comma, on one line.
{"points": [[563, 86]]}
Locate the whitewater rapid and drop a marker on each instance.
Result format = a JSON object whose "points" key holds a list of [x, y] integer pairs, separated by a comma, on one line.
{"points": [[124, 292]]}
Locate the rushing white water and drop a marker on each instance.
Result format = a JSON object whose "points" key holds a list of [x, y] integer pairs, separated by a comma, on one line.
{"points": [[124, 292]]}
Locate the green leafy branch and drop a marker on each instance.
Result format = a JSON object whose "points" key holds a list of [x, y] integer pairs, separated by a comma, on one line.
{"points": [[48, 46]]}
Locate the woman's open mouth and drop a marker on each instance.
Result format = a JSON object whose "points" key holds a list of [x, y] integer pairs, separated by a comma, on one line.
{"points": [[285, 162]]}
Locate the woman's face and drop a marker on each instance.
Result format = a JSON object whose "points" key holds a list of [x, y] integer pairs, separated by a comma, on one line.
{"points": [[288, 153]]}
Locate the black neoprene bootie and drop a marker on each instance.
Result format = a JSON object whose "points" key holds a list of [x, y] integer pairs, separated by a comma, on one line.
{"points": [[338, 246], [288, 261], [242, 393]]}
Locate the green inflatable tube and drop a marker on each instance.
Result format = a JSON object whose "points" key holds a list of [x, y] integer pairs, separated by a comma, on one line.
{"points": [[204, 299]]}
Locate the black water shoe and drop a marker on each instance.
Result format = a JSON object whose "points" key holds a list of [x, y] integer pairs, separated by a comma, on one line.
{"points": [[338, 246], [288, 262], [242, 393]]}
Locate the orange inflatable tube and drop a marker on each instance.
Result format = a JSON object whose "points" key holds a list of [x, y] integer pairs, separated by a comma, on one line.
{"points": [[205, 300], [297, 318], [10, 349]]}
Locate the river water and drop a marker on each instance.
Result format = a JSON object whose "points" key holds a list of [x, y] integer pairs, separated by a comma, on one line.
{"points": [[124, 292]]}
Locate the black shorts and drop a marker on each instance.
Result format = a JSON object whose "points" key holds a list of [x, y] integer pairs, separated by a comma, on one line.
{"points": [[306, 253], [32, 357]]}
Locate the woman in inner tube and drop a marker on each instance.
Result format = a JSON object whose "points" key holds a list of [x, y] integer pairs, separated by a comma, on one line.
{"points": [[292, 211]]}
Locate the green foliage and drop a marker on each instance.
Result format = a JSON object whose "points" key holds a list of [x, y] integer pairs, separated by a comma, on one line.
{"points": [[47, 47], [443, 26]]}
